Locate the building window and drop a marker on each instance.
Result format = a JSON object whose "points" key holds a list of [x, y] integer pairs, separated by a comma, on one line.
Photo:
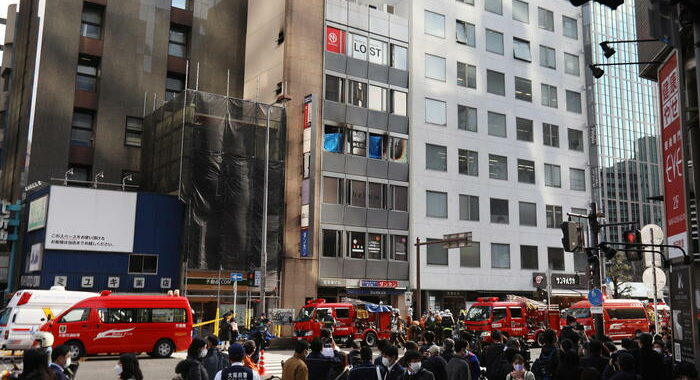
{"points": [[173, 86], [551, 134], [580, 211], [143, 264], [552, 175], [466, 33], [399, 198], [528, 257], [555, 258], [500, 256], [575, 140], [377, 52], [570, 27], [545, 19], [376, 195], [523, 89], [571, 64], [436, 255], [357, 93], [332, 243], [549, 96], [526, 171], [91, 21], [398, 102], [528, 214], [494, 41], [134, 130], [81, 128], [436, 204], [356, 245], [334, 89], [494, 6], [469, 207], [434, 24], [332, 190], [554, 216], [466, 118], [87, 73], [470, 2], [434, 67], [81, 174], [548, 57], [399, 244], [375, 246], [182, 4], [466, 75], [177, 45], [377, 98], [521, 50], [399, 57], [435, 111], [498, 167], [573, 101], [523, 128], [497, 124], [495, 83], [521, 11], [577, 179], [356, 143], [357, 46], [435, 157], [399, 150], [357, 193], [468, 162], [499, 211], [470, 257]]}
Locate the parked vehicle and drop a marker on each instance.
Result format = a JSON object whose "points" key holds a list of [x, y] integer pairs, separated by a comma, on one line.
{"points": [[158, 325], [621, 318], [365, 321], [29, 309], [517, 317]]}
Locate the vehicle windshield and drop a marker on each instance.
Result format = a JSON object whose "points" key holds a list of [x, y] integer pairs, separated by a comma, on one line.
{"points": [[5, 316], [479, 313], [305, 314], [580, 312], [627, 313]]}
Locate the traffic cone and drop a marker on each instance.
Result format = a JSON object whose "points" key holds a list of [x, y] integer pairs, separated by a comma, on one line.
{"points": [[261, 363]]}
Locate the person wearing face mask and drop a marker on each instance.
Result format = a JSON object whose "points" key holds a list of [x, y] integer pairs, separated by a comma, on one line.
{"points": [[390, 369], [60, 360], [458, 367], [519, 372], [191, 368], [128, 368], [414, 369]]}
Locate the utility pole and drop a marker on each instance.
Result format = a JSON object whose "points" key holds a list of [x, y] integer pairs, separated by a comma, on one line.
{"points": [[595, 280]]}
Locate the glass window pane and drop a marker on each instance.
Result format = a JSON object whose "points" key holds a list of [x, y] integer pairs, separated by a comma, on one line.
{"points": [[331, 190], [552, 175], [377, 98], [357, 46], [466, 118], [548, 57], [526, 171], [468, 162], [495, 83], [498, 167], [398, 247], [524, 129], [90, 31], [377, 52], [436, 254], [434, 67], [182, 4], [435, 157], [554, 216], [494, 6], [81, 137], [573, 101], [357, 143], [570, 27], [500, 255], [461, 28], [550, 133], [470, 257], [528, 257], [499, 211], [468, 207], [471, 35], [575, 140], [523, 89], [357, 193], [375, 246], [577, 179], [399, 57], [434, 24], [461, 74], [82, 120], [528, 214], [571, 64], [177, 50], [357, 93], [555, 258], [92, 15], [179, 36], [399, 198], [545, 19], [497, 124], [174, 84], [85, 83], [436, 204], [334, 89], [435, 111], [549, 96], [399, 150], [398, 102], [521, 11], [356, 245], [521, 50], [471, 76], [494, 41]]}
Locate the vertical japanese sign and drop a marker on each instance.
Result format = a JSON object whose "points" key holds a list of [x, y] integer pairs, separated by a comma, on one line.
{"points": [[335, 40], [674, 181], [306, 174]]}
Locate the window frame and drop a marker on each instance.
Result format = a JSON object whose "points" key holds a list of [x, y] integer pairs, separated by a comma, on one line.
{"points": [[425, 22], [527, 9], [523, 222], [498, 10], [437, 152], [441, 74], [468, 201], [79, 127], [564, 29], [527, 96], [131, 131], [574, 183], [571, 104], [467, 112], [463, 251], [443, 104], [553, 214], [522, 163], [493, 117], [521, 42], [468, 155], [575, 132], [84, 24], [493, 262], [493, 159], [549, 138], [555, 260], [546, 93], [518, 128], [549, 19], [549, 171], [338, 95], [428, 212], [91, 63], [338, 242], [568, 57], [143, 255], [489, 86], [548, 54], [523, 253], [174, 44], [492, 32], [495, 201]]}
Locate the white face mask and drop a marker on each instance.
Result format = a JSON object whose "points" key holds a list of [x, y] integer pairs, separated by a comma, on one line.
{"points": [[68, 361], [658, 350], [386, 362], [203, 353], [415, 367], [118, 369]]}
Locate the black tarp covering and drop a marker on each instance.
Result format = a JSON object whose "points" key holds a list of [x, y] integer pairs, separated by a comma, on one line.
{"points": [[210, 151]]}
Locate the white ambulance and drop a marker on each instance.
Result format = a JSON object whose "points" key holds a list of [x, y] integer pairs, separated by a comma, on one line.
{"points": [[29, 309]]}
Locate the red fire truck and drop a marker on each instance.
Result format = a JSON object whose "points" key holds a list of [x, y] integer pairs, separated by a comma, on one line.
{"points": [[516, 317], [621, 318], [353, 320]]}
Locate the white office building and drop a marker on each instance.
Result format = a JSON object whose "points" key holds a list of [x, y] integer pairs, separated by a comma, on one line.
{"points": [[498, 144]]}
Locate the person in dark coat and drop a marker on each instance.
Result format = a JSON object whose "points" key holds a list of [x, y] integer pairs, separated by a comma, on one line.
{"points": [[60, 360], [571, 331], [650, 364], [415, 370], [225, 328], [435, 363], [364, 369], [215, 360], [458, 367], [381, 345], [191, 368], [569, 366], [320, 366], [354, 356], [594, 357], [390, 368], [625, 364], [448, 349], [494, 354]]}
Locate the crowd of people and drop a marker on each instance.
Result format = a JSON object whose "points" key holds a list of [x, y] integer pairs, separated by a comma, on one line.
{"points": [[56, 364]]}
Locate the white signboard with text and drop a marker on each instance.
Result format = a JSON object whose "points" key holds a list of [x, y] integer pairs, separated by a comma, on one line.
{"points": [[90, 220]]}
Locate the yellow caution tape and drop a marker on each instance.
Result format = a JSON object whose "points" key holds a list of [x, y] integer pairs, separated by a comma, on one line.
{"points": [[207, 322], [48, 313]]}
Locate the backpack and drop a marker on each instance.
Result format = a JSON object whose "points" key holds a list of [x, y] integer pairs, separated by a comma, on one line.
{"points": [[541, 366]]}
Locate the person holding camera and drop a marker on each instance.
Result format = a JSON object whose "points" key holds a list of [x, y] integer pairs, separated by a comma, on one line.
{"points": [[572, 331]]}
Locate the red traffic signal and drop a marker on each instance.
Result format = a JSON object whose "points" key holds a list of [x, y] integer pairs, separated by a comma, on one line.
{"points": [[250, 277], [633, 237]]}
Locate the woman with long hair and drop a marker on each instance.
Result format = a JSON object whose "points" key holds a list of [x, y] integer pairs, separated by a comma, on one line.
{"points": [[35, 366], [128, 368]]}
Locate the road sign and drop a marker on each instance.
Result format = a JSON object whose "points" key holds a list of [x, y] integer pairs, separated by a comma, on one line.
{"points": [[462, 239], [258, 278], [652, 230], [595, 297], [236, 276], [648, 278], [596, 310]]}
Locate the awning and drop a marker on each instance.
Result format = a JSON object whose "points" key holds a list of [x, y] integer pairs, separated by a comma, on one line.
{"points": [[569, 293]]}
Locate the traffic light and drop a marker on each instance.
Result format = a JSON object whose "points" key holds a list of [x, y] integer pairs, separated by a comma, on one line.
{"points": [[612, 4], [573, 236], [633, 237], [250, 278]]}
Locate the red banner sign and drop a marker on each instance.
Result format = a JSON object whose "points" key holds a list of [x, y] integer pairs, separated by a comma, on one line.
{"points": [[335, 40], [673, 161], [378, 284]]}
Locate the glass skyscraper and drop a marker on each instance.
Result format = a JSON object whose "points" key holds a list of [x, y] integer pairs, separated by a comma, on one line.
{"points": [[623, 121]]}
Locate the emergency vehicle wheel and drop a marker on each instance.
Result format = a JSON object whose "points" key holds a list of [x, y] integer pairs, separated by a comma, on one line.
{"points": [[370, 339], [76, 349], [163, 349]]}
